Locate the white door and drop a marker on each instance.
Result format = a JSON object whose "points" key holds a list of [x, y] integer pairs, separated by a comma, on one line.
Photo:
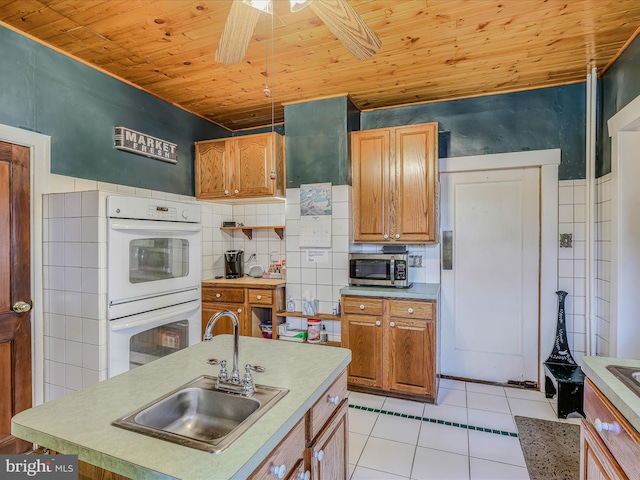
{"points": [[490, 309]]}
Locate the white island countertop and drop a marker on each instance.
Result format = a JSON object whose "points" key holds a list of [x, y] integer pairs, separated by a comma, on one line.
{"points": [[80, 423], [621, 396]]}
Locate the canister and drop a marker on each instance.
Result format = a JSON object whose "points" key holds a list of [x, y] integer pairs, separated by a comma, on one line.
{"points": [[313, 330]]}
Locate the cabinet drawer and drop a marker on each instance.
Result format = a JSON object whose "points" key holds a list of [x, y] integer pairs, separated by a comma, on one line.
{"points": [[287, 453], [221, 294], [621, 438], [326, 405], [260, 297], [411, 309], [362, 305]]}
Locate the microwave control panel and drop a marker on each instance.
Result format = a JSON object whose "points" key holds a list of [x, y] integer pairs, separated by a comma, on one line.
{"points": [[400, 270]]}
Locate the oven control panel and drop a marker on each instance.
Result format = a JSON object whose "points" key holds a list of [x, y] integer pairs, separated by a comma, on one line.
{"points": [[161, 213], [139, 208]]}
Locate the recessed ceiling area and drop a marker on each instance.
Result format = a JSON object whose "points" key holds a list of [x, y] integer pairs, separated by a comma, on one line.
{"points": [[432, 50]]}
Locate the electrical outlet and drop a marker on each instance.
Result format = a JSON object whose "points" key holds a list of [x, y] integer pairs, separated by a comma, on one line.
{"points": [[415, 260]]}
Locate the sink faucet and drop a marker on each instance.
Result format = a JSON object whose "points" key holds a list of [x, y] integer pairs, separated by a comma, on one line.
{"points": [[245, 385], [208, 336]]}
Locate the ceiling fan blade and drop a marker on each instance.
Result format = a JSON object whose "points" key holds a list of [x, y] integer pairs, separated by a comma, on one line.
{"points": [[237, 33], [345, 23]]}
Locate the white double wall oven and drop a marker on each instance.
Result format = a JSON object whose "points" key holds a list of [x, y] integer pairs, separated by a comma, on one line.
{"points": [[154, 250]]}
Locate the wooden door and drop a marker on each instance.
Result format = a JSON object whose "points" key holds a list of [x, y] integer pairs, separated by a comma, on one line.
{"points": [[490, 296], [329, 452], [254, 158], [213, 176], [413, 187], [370, 179], [362, 334], [410, 352], [15, 286]]}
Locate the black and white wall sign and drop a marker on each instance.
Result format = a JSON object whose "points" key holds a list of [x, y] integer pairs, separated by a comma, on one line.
{"points": [[145, 145]]}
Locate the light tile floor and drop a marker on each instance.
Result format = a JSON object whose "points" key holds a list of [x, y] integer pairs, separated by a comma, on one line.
{"points": [[387, 447]]}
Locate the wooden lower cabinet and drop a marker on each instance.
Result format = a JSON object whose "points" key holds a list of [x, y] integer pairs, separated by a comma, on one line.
{"points": [[321, 451], [253, 306], [610, 445], [393, 344], [328, 452]]}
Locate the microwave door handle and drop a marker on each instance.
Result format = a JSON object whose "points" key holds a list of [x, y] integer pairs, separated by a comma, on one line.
{"points": [[156, 318], [392, 270]]}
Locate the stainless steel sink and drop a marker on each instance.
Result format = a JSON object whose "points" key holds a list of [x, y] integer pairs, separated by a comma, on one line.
{"points": [[630, 376], [198, 415]]}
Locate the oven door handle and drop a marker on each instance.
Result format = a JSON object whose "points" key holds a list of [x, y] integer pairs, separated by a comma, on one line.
{"points": [[177, 227], [154, 317]]}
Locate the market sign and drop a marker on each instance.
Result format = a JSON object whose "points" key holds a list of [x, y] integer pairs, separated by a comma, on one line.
{"points": [[145, 145]]}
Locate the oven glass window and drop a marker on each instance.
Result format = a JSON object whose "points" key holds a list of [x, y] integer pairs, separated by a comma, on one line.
{"points": [[153, 259], [158, 342]]}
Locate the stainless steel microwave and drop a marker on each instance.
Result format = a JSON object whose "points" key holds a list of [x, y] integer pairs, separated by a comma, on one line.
{"points": [[379, 269]]}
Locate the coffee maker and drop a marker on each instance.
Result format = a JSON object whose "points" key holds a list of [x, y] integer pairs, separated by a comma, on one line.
{"points": [[234, 263]]}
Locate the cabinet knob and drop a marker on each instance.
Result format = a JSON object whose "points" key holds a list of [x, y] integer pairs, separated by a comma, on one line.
{"points": [[278, 470], [303, 475], [410, 310], [604, 426], [319, 455], [239, 310], [226, 192], [397, 235], [259, 297], [218, 295], [378, 323], [361, 307], [236, 191], [392, 324], [335, 400], [386, 236]]}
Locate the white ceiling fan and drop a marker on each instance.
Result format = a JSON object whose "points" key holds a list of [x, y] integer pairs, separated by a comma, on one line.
{"points": [[340, 17]]}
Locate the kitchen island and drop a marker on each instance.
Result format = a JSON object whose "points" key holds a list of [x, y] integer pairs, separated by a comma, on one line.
{"points": [[80, 423], [610, 433]]}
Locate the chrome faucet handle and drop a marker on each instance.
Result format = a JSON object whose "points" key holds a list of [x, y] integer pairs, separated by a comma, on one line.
{"points": [[223, 376], [249, 386]]}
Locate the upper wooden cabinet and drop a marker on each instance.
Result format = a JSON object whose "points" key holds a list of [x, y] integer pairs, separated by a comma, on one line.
{"points": [[250, 166], [395, 184]]}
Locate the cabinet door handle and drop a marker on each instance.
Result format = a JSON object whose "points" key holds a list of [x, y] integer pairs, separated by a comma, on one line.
{"points": [[303, 475], [226, 192], [218, 295], [236, 191], [278, 470], [378, 323], [334, 400], [361, 307], [397, 235], [239, 310], [410, 310], [392, 324], [319, 455], [259, 297], [386, 236]]}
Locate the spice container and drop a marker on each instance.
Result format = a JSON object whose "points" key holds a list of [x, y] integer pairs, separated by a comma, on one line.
{"points": [[313, 330]]}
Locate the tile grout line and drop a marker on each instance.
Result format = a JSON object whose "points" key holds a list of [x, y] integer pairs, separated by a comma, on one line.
{"points": [[434, 420]]}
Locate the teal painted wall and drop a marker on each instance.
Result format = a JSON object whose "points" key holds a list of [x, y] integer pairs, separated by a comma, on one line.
{"points": [[531, 120], [317, 141], [46, 92], [619, 85]]}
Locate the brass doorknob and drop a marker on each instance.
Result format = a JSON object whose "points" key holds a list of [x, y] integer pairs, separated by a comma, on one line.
{"points": [[21, 307]]}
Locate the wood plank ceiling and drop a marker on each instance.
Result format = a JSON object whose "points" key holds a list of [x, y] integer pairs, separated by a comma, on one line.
{"points": [[431, 50]]}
